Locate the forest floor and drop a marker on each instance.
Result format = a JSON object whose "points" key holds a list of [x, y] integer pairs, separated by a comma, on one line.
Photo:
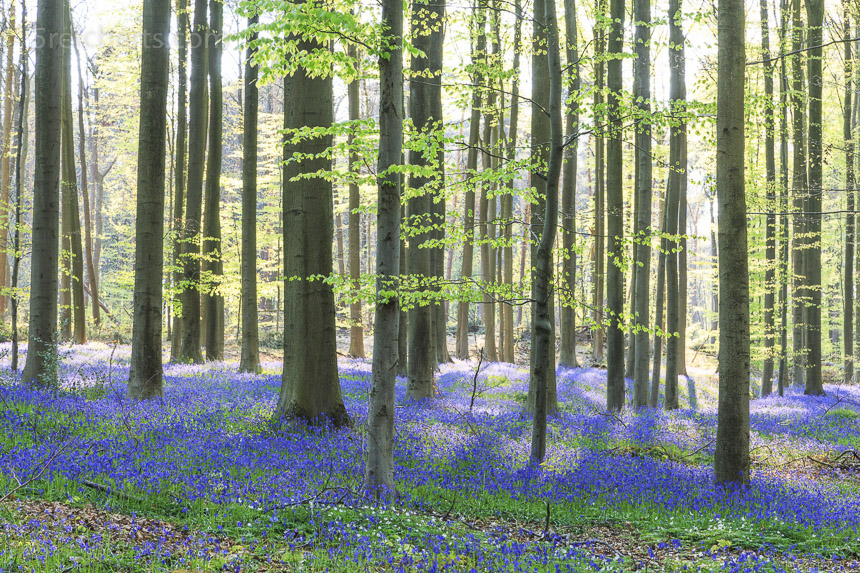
{"points": [[201, 481]]}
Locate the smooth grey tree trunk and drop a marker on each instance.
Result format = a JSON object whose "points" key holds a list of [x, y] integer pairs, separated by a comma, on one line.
{"points": [[543, 344], [615, 390], [190, 350], [659, 306], [250, 356], [540, 149], [310, 387], [22, 136], [379, 463], [213, 263], [770, 221], [848, 277], [145, 372], [642, 230], [356, 327], [426, 37], [69, 185], [478, 49], [41, 366], [732, 458], [815, 20], [567, 351], [599, 184], [798, 184], [181, 150]]}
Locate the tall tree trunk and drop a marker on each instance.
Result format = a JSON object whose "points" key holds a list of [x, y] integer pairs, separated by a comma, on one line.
{"points": [[70, 193], [798, 184], [615, 214], [784, 228], [848, 135], [403, 327], [732, 459], [310, 388], [145, 366], [213, 262], [5, 167], [770, 222], [543, 345], [507, 199], [85, 192], [478, 54], [541, 133], [356, 328], [599, 183], [815, 19], [675, 188], [427, 36], [21, 138], [654, 397], [379, 463], [181, 151], [250, 358], [197, 105], [41, 367], [642, 232]]}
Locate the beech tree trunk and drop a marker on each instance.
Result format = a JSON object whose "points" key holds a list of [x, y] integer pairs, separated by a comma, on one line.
{"points": [[642, 230], [543, 345], [615, 214], [426, 37], [145, 373], [181, 150], [310, 387], [356, 328], [40, 369], [379, 464], [21, 138], [798, 184], [213, 263], [770, 222], [250, 357], [599, 185], [479, 47], [731, 458], [5, 163], [72, 218], [198, 112], [815, 20], [848, 277]]}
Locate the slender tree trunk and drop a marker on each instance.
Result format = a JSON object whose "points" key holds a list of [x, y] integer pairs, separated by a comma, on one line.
{"points": [[731, 459], [310, 387], [181, 151], [427, 38], [145, 367], [848, 135], [40, 369], [250, 358], [567, 353], [356, 328], [403, 327], [654, 397], [599, 183], [642, 236], [480, 45], [379, 464], [197, 104], [546, 206], [5, 167], [507, 199], [815, 19], [20, 163], [770, 223], [85, 192], [70, 194], [784, 229], [615, 215], [213, 262], [543, 345], [798, 184]]}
